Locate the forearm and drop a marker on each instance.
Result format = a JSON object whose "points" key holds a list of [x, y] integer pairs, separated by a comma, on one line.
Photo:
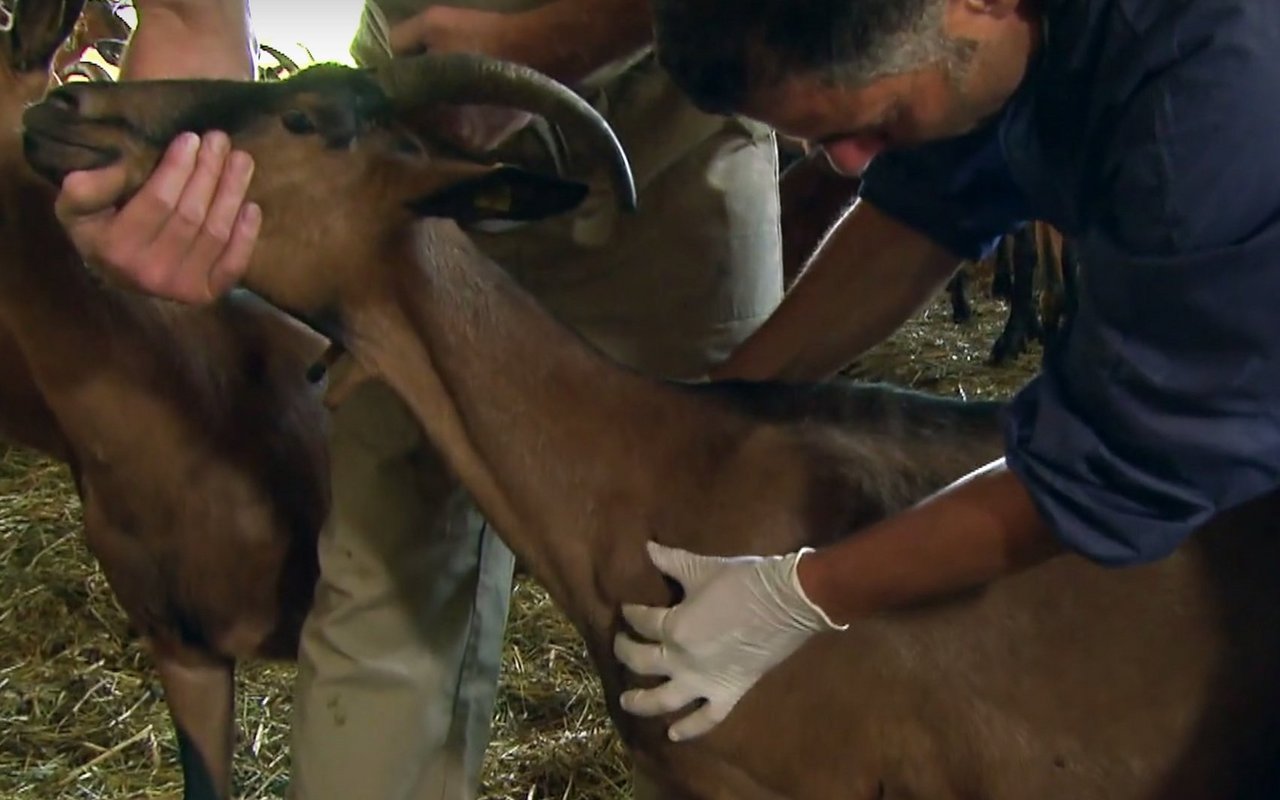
{"points": [[978, 529], [190, 39], [570, 39], [868, 277], [566, 39]]}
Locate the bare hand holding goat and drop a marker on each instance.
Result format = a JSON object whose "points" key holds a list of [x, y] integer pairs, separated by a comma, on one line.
{"points": [[187, 233]]}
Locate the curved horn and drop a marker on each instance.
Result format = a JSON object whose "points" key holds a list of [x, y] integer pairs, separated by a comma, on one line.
{"points": [[469, 79]]}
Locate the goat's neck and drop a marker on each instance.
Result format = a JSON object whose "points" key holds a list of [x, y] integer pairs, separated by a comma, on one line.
{"points": [[45, 290], [40, 271], [550, 438]]}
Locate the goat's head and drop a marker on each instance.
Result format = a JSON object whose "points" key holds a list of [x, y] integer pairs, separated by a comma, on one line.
{"points": [[101, 28], [31, 32], [339, 172]]}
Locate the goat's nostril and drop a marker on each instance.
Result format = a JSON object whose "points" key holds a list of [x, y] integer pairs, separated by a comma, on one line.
{"points": [[64, 99]]}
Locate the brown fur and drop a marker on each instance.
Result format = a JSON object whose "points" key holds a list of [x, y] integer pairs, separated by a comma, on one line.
{"points": [[24, 416], [1068, 681]]}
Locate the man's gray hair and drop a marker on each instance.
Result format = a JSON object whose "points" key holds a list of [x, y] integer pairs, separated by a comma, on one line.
{"points": [[721, 51], [923, 43]]}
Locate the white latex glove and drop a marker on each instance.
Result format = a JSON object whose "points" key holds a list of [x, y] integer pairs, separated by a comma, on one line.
{"points": [[740, 617]]}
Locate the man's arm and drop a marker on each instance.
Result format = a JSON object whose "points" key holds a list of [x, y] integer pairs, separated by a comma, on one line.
{"points": [[743, 616], [868, 277], [1156, 413], [978, 529], [190, 38], [566, 39], [919, 215]]}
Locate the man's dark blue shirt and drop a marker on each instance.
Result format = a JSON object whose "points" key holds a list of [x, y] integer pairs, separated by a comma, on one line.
{"points": [[1148, 131]]}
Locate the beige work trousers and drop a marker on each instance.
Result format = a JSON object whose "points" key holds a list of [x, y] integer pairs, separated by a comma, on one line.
{"points": [[400, 656]]}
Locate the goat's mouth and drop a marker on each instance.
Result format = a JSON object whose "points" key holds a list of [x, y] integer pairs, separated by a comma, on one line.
{"points": [[53, 149]]}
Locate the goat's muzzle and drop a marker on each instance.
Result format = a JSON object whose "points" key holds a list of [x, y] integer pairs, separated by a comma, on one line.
{"points": [[56, 142]]}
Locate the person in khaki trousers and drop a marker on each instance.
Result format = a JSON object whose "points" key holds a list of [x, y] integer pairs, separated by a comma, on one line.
{"points": [[400, 656]]}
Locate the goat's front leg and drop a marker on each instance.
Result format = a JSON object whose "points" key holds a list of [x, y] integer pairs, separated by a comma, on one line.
{"points": [[200, 692]]}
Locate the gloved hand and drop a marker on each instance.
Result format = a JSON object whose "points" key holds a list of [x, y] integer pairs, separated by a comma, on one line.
{"points": [[740, 617]]}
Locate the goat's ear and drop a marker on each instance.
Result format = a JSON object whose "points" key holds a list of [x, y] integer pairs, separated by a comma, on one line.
{"points": [[40, 27], [501, 193]]}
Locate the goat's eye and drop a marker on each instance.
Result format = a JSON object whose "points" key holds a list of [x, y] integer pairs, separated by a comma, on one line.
{"points": [[298, 122], [408, 146]]}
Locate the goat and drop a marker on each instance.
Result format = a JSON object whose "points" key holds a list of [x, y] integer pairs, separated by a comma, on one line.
{"points": [[1066, 681], [25, 418], [197, 445], [1056, 261], [1035, 272]]}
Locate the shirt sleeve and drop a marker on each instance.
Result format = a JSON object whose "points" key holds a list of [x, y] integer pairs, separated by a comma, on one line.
{"points": [[1161, 407], [958, 192]]}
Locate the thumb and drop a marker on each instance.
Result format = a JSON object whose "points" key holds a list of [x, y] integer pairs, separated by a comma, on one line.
{"points": [[690, 569], [86, 193]]}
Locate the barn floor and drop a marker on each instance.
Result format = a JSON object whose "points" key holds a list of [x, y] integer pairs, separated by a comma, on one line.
{"points": [[81, 713]]}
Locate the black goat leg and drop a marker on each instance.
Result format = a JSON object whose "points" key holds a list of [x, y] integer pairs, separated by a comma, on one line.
{"points": [[200, 693], [1023, 325]]}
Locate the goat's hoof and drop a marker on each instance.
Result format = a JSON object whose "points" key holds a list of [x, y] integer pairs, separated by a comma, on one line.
{"points": [[1007, 348]]}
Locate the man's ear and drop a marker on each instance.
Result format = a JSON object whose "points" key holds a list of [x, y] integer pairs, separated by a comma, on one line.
{"points": [[502, 193]]}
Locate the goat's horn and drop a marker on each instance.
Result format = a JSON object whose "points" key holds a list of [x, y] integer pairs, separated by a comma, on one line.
{"points": [[468, 79], [85, 69]]}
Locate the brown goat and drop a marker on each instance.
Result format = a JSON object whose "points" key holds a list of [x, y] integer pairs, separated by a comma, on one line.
{"points": [[25, 418], [1068, 681], [197, 444]]}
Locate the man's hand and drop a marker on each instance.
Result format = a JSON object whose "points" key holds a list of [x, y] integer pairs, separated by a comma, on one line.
{"points": [[446, 29], [187, 234], [740, 618]]}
